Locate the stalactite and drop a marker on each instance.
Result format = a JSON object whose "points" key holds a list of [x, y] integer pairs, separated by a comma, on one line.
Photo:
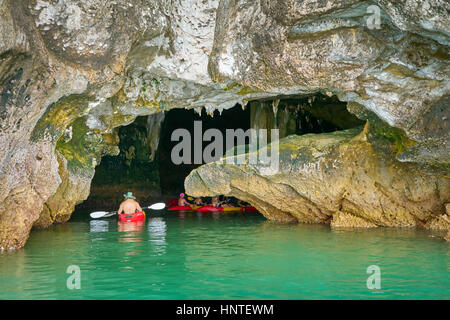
{"points": [[313, 114], [154, 123]]}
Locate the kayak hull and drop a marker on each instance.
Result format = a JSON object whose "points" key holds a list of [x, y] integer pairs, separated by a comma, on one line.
{"points": [[209, 208], [232, 209], [134, 217], [173, 207], [180, 208]]}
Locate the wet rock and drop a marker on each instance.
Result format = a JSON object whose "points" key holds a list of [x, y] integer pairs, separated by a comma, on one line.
{"points": [[347, 220]]}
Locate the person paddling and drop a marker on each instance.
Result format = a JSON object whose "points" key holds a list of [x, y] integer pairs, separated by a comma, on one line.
{"points": [[129, 205], [182, 202]]}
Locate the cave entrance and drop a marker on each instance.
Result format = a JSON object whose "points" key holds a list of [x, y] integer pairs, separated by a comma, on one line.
{"points": [[172, 175], [134, 169], [144, 164]]}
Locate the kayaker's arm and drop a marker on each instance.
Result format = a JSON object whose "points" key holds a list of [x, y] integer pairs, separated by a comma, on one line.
{"points": [[139, 207], [120, 209]]}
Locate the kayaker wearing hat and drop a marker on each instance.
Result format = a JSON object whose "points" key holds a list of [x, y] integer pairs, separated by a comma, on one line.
{"points": [[182, 201], [130, 205]]}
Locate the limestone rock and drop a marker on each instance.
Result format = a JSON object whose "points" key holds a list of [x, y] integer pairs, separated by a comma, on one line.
{"points": [[346, 177], [72, 190], [346, 220], [389, 70]]}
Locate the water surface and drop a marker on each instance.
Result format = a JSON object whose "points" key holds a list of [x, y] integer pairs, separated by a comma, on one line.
{"points": [[223, 256]]}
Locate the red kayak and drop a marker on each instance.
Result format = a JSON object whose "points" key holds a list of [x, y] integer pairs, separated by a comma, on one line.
{"points": [[134, 217], [209, 208], [180, 208]]}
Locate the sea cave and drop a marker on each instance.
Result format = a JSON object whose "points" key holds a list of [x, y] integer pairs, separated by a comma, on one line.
{"points": [[96, 98]]}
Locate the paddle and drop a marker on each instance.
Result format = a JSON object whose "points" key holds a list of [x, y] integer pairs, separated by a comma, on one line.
{"points": [[104, 214]]}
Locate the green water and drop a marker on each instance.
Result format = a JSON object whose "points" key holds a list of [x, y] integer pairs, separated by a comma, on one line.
{"points": [[223, 257]]}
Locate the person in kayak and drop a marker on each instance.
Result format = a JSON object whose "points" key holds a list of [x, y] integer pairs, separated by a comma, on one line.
{"points": [[182, 202], [129, 205], [198, 202], [215, 202], [226, 202]]}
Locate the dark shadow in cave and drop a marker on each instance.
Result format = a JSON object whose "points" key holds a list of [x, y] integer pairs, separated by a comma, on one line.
{"points": [[172, 175]]}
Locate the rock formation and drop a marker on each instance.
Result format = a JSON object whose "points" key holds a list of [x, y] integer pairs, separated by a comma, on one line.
{"points": [[345, 178], [73, 71]]}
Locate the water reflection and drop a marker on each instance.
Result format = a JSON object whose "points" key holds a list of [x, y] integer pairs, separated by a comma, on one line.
{"points": [[157, 230], [130, 226], [216, 215], [130, 231], [99, 226]]}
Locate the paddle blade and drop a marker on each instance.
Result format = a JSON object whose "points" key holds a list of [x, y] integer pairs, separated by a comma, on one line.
{"points": [[157, 206], [98, 214]]}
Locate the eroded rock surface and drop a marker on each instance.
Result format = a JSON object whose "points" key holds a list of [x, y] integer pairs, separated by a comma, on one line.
{"points": [[83, 68], [346, 179], [72, 190]]}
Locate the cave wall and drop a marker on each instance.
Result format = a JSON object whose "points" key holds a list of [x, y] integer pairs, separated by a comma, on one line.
{"points": [[96, 66]]}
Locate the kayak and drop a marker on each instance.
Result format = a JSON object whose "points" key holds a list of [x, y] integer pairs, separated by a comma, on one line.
{"points": [[134, 217], [180, 208], [232, 209], [209, 208]]}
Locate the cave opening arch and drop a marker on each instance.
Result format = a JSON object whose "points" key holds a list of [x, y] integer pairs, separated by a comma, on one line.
{"points": [[144, 165]]}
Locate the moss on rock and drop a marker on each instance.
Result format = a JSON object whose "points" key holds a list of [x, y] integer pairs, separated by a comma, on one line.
{"points": [[85, 148], [59, 115]]}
